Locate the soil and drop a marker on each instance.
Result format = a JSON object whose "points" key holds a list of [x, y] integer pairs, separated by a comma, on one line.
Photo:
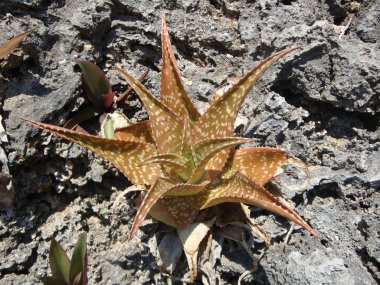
{"points": [[320, 104]]}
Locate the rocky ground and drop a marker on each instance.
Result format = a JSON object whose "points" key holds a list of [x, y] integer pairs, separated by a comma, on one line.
{"points": [[320, 104]]}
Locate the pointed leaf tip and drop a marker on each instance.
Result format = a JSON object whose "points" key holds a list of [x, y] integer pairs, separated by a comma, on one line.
{"points": [[7, 48], [173, 93], [78, 258], [155, 192], [59, 262], [166, 126], [96, 85], [239, 188], [125, 155], [218, 120]]}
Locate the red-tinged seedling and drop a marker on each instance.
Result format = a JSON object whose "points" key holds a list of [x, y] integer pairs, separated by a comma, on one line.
{"points": [[65, 271], [189, 159], [98, 91]]}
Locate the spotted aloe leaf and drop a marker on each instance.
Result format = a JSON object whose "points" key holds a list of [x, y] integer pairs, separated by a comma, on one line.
{"points": [[169, 188], [155, 192], [170, 158], [125, 155], [166, 126], [239, 188], [204, 147], [205, 168], [173, 93], [178, 164], [218, 120], [7, 48], [138, 131], [174, 210], [258, 163]]}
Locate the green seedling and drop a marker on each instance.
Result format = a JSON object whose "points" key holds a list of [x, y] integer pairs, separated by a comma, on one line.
{"points": [[65, 271]]}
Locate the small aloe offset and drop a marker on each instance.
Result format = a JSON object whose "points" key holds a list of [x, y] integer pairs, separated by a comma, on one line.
{"points": [[188, 159], [65, 271], [98, 91]]}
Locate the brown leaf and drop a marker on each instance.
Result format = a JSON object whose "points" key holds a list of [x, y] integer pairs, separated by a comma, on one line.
{"points": [[191, 238], [154, 193], [7, 48], [180, 212]]}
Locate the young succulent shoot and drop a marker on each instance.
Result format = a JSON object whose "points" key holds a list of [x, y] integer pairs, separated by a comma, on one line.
{"points": [[99, 93], [65, 271], [7, 48], [188, 159]]}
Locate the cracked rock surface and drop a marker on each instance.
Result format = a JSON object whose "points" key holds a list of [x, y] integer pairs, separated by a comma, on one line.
{"points": [[320, 104]]}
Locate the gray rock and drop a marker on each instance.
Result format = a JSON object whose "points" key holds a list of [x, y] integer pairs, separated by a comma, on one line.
{"points": [[369, 23]]}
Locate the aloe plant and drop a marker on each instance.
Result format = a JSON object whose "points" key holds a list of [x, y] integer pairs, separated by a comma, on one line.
{"points": [[189, 160], [65, 271]]}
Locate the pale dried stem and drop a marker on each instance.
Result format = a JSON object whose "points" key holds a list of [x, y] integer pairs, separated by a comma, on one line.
{"points": [[346, 27]]}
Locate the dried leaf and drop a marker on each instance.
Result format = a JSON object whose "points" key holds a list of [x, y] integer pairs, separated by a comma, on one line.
{"points": [[191, 238], [253, 225], [169, 252], [7, 48]]}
